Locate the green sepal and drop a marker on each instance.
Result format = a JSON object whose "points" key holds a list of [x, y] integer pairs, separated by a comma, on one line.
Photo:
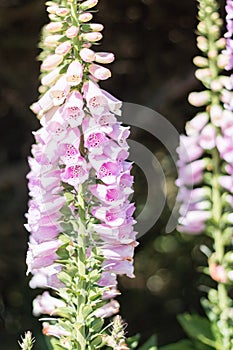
{"points": [[65, 210], [198, 327], [97, 342], [65, 312], [133, 341], [86, 311], [181, 345], [55, 343], [86, 28], [150, 344], [65, 278], [96, 325], [62, 252], [66, 226]]}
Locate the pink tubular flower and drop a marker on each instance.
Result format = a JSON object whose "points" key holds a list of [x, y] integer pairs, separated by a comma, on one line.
{"points": [[54, 330], [108, 309], [46, 304]]}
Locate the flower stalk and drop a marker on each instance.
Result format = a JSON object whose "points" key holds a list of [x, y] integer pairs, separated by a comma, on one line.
{"points": [[80, 218], [206, 136]]}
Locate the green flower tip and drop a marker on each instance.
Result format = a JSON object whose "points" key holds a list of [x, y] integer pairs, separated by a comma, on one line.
{"points": [[27, 341]]}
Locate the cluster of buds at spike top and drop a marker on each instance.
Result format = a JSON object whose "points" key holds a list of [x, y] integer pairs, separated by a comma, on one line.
{"points": [[80, 179], [209, 132], [68, 38], [229, 33]]}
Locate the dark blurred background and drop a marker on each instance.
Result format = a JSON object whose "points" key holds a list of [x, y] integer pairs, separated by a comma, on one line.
{"points": [[154, 43]]}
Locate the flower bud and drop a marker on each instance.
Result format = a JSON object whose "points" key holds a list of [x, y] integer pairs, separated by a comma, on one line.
{"points": [[104, 57], [99, 72], [221, 43], [216, 114], [52, 17], [203, 74], [52, 40], [92, 37], [202, 43], [207, 138], [223, 61], [217, 273], [62, 12], [85, 17], [200, 61], [63, 48], [213, 53], [199, 99], [196, 124], [87, 55], [72, 32], [51, 77], [51, 62], [95, 27], [86, 5], [201, 27], [52, 9], [216, 85], [54, 27]]}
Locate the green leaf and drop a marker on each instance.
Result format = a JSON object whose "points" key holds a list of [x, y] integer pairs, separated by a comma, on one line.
{"points": [[56, 344], [150, 344], [199, 328], [133, 341], [62, 252], [96, 325], [181, 345], [65, 278], [96, 342], [65, 312], [65, 210]]}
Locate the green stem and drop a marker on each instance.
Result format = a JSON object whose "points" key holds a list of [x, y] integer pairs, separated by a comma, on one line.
{"points": [[81, 282], [217, 209], [219, 248]]}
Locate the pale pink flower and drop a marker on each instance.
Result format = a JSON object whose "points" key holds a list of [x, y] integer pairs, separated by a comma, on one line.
{"points": [[74, 73], [46, 304], [54, 330], [108, 309]]}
